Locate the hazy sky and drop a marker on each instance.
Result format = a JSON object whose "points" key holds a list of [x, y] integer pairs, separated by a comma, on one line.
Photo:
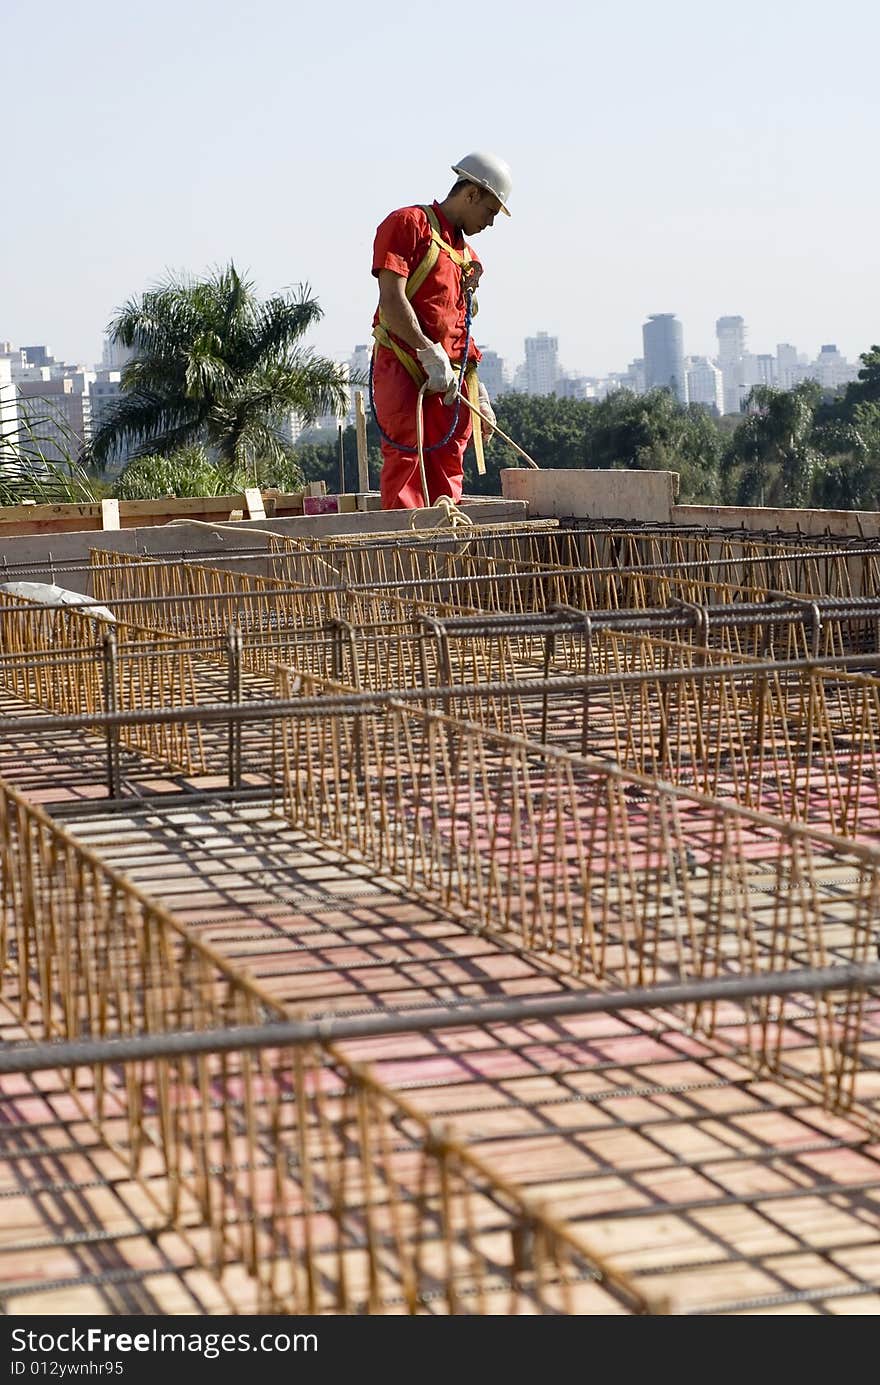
{"points": [[685, 157]]}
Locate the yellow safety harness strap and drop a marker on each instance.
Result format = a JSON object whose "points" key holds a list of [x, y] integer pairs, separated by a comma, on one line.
{"points": [[382, 337], [472, 385], [432, 255]]}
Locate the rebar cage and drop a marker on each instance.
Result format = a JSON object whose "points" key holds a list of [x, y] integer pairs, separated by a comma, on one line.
{"points": [[413, 774]]}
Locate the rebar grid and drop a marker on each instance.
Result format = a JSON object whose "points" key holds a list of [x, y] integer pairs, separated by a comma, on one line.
{"points": [[799, 742], [200, 602], [582, 1128], [332, 1192], [64, 660], [658, 1139], [277, 623], [813, 564], [678, 541], [794, 739], [595, 570], [475, 551], [275, 619], [637, 827], [483, 591], [204, 600], [624, 878], [197, 598], [281, 624], [480, 647]]}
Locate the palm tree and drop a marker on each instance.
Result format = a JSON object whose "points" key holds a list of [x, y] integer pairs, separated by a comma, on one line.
{"points": [[216, 366], [773, 457]]}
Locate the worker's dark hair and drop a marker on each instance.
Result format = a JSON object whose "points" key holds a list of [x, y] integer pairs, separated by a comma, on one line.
{"points": [[463, 183]]}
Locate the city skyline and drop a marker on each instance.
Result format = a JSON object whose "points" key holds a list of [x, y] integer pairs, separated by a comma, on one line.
{"points": [[103, 359], [720, 379], [664, 158], [602, 360], [67, 401]]}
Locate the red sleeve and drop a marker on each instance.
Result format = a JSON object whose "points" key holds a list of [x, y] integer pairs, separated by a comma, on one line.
{"points": [[400, 241]]}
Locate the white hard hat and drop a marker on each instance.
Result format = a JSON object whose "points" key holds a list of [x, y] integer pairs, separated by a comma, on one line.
{"points": [[487, 171]]}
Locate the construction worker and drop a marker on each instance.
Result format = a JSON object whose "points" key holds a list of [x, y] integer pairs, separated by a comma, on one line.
{"points": [[427, 274]]}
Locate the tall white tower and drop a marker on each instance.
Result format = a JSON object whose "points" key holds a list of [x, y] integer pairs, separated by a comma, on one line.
{"points": [[705, 383], [542, 364], [731, 332]]}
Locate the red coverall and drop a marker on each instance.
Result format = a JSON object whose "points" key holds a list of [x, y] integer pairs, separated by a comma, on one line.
{"points": [[401, 243]]}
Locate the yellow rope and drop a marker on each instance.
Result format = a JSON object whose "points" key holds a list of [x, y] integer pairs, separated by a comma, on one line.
{"points": [[451, 517]]}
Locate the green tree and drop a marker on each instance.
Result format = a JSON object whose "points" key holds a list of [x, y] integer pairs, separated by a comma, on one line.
{"points": [[654, 431], [848, 477], [187, 472], [190, 472], [553, 431], [216, 366], [772, 458], [866, 389]]}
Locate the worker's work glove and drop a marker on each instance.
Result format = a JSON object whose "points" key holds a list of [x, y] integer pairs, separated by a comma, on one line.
{"points": [[488, 421], [438, 368]]}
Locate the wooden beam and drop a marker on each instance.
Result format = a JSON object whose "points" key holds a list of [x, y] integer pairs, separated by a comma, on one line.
{"points": [[254, 501], [360, 420]]}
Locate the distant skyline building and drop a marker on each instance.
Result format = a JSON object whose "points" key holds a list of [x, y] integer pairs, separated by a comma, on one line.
{"points": [[13, 355], [633, 378], [749, 376], [598, 386], [39, 355], [705, 384], [541, 364], [290, 426], [492, 373], [115, 356], [359, 377], [326, 422], [65, 403], [765, 366], [731, 334], [788, 368], [105, 390], [663, 341], [575, 387], [832, 369], [56, 418], [18, 363]]}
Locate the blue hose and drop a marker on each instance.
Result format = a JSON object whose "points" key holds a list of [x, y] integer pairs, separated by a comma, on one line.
{"points": [[404, 447]]}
